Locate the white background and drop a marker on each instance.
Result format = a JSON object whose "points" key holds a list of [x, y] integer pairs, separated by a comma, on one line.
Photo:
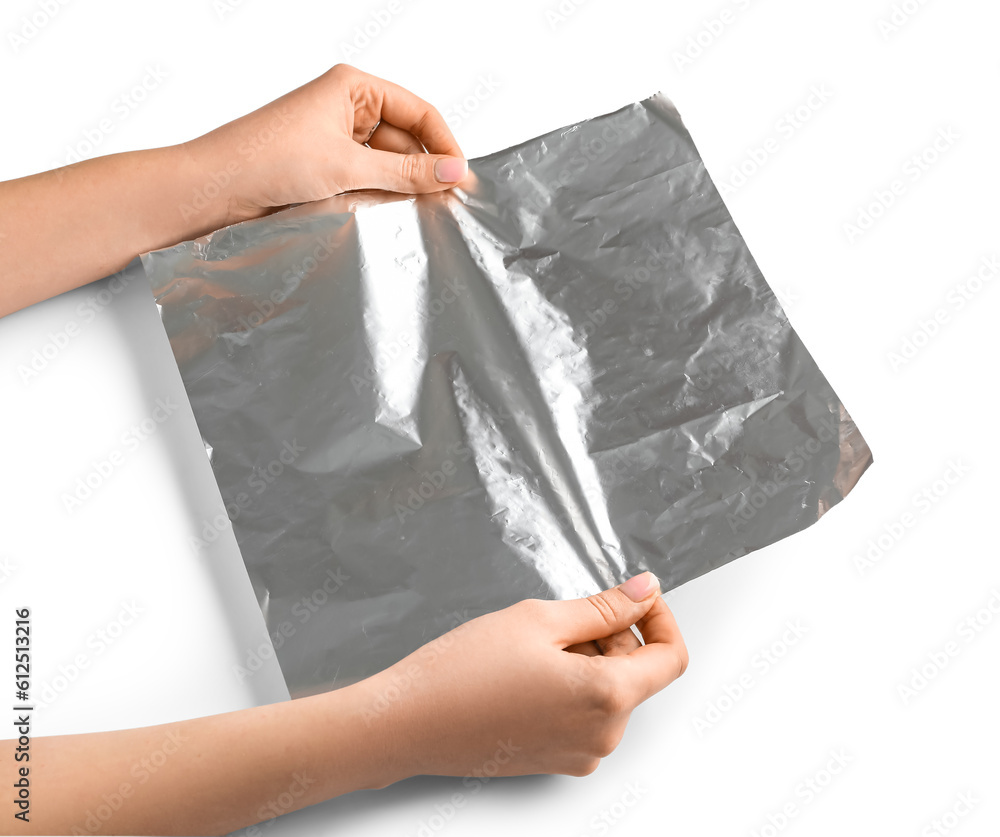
{"points": [[853, 299]]}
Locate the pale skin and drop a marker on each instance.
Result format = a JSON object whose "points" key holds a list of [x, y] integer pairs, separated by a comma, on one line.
{"points": [[540, 687]]}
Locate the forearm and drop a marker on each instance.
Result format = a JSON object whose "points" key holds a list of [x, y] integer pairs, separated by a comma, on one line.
{"points": [[209, 775], [64, 228]]}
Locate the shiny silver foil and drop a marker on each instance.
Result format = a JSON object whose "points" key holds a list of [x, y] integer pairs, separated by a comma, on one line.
{"points": [[565, 371]]}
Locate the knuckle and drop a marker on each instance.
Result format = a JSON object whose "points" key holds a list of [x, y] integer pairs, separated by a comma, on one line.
{"points": [[605, 742], [682, 659], [530, 607], [534, 611], [622, 642], [605, 608], [409, 168], [341, 70], [411, 146], [584, 766], [609, 698], [427, 120]]}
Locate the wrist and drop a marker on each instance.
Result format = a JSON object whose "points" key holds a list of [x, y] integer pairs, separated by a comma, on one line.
{"points": [[350, 739], [211, 178], [385, 713]]}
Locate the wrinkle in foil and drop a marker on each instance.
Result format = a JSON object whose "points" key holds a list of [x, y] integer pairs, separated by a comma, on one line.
{"points": [[563, 372]]}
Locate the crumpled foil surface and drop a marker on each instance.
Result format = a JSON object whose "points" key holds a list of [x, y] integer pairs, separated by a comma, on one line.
{"points": [[563, 372]]}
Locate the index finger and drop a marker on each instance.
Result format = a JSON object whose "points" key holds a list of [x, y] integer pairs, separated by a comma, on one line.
{"points": [[408, 111], [663, 658]]}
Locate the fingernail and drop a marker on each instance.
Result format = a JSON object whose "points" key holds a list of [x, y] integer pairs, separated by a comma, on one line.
{"points": [[640, 586], [450, 169]]}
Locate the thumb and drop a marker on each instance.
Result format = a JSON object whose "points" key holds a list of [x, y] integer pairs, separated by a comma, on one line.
{"points": [[607, 612], [411, 173]]}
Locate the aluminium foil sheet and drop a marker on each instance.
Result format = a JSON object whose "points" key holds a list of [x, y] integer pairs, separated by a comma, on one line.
{"points": [[565, 371]]}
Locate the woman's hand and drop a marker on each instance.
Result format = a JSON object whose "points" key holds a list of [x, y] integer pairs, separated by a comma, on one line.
{"points": [[345, 130], [504, 694], [342, 131]]}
